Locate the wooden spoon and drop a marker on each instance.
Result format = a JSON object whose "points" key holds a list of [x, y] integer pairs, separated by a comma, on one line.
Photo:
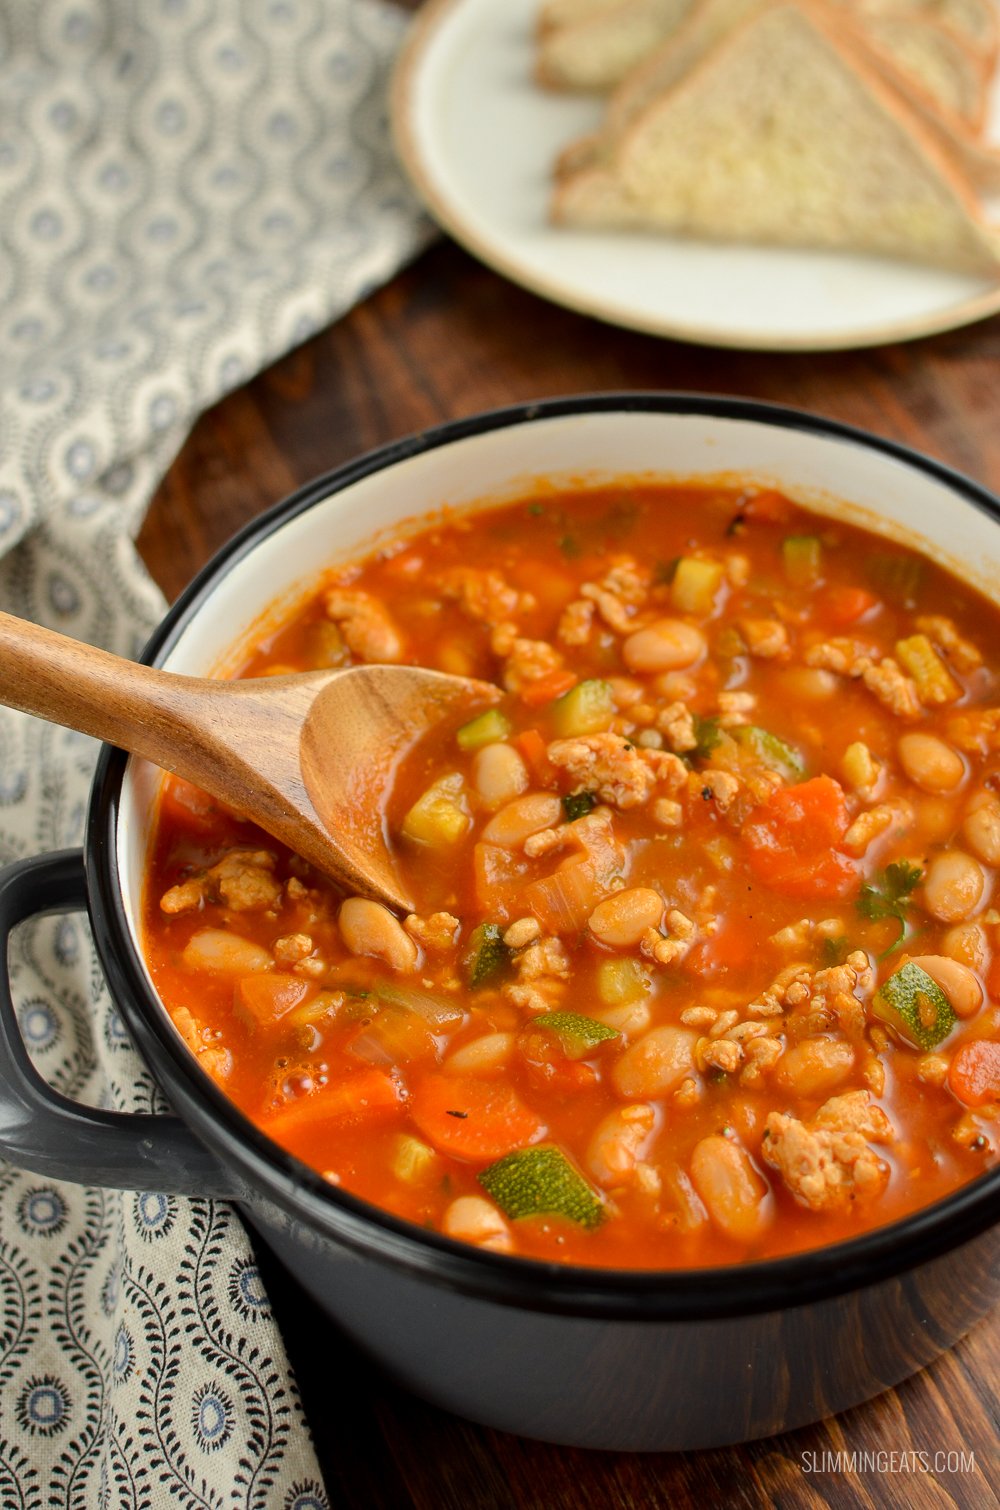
{"points": [[310, 757]]}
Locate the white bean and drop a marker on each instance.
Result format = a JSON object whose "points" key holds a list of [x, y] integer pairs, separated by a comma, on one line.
{"points": [[367, 927], [956, 981], [520, 819], [982, 827], [621, 919], [810, 682], [499, 774], [473, 1219], [617, 1144], [655, 1063], [735, 1195], [953, 886], [629, 1018], [222, 953], [966, 942], [667, 645], [815, 1066], [933, 765], [480, 1056]]}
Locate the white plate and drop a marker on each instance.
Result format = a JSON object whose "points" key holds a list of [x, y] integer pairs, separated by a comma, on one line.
{"points": [[479, 138]]}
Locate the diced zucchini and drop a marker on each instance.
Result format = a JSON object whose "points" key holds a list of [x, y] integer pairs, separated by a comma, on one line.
{"points": [[935, 683], [620, 982], [438, 817], [695, 584], [578, 1035], [587, 708], [578, 805], [488, 955], [411, 1159], [486, 729], [769, 749], [542, 1182], [914, 1004], [802, 558]]}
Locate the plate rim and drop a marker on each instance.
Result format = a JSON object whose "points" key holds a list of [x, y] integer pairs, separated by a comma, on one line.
{"points": [[420, 37]]}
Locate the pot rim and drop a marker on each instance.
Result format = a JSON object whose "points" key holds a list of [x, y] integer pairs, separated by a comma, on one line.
{"points": [[300, 1192]]}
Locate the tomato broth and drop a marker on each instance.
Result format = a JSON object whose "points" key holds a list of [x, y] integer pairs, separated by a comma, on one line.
{"points": [[704, 966]]}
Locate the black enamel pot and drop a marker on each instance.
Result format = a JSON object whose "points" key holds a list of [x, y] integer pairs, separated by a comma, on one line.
{"points": [[578, 1356]]}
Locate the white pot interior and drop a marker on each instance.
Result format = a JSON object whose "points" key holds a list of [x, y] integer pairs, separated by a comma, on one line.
{"points": [[835, 476]]}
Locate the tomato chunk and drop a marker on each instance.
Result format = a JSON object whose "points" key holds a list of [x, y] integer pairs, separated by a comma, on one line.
{"points": [[791, 841], [473, 1119]]}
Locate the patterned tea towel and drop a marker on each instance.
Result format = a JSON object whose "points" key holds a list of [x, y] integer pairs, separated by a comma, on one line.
{"points": [[188, 188]]}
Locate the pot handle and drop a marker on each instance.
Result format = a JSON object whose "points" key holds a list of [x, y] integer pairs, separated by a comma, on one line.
{"points": [[43, 1130]]}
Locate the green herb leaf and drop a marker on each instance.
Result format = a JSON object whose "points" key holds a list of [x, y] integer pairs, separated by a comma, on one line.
{"points": [[708, 735], [889, 897], [570, 547], [578, 805], [834, 951]]}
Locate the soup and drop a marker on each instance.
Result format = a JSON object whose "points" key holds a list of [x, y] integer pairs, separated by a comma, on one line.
{"points": [[703, 967]]}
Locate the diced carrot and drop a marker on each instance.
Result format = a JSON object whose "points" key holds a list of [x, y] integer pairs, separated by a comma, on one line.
{"points": [[472, 1118], [265, 998], [369, 1096], [974, 1076], [842, 605], [545, 689], [791, 841], [532, 746], [769, 506]]}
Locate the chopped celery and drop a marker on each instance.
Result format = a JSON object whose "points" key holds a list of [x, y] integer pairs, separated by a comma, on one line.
{"points": [[438, 817], [488, 955], [578, 805], [578, 1035], [935, 683], [802, 558], [587, 708], [486, 729], [898, 578], [411, 1159], [914, 1004], [542, 1182], [769, 749], [695, 584]]}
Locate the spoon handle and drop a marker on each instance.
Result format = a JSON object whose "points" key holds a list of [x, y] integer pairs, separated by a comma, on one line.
{"points": [[67, 682]]}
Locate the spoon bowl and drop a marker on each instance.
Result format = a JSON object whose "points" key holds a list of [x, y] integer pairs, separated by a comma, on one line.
{"points": [[310, 758]]}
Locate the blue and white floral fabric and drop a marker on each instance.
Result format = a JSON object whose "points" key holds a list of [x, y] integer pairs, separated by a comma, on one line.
{"points": [[188, 188]]}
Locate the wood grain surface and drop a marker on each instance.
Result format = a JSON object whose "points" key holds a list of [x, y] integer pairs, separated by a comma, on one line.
{"points": [[447, 338]]}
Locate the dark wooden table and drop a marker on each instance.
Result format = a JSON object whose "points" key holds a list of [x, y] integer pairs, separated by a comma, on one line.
{"points": [[444, 339]]}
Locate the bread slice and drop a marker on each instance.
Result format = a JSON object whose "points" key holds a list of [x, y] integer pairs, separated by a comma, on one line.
{"points": [[596, 52], [709, 20], [974, 157], [933, 59], [782, 134], [974, 23]]}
